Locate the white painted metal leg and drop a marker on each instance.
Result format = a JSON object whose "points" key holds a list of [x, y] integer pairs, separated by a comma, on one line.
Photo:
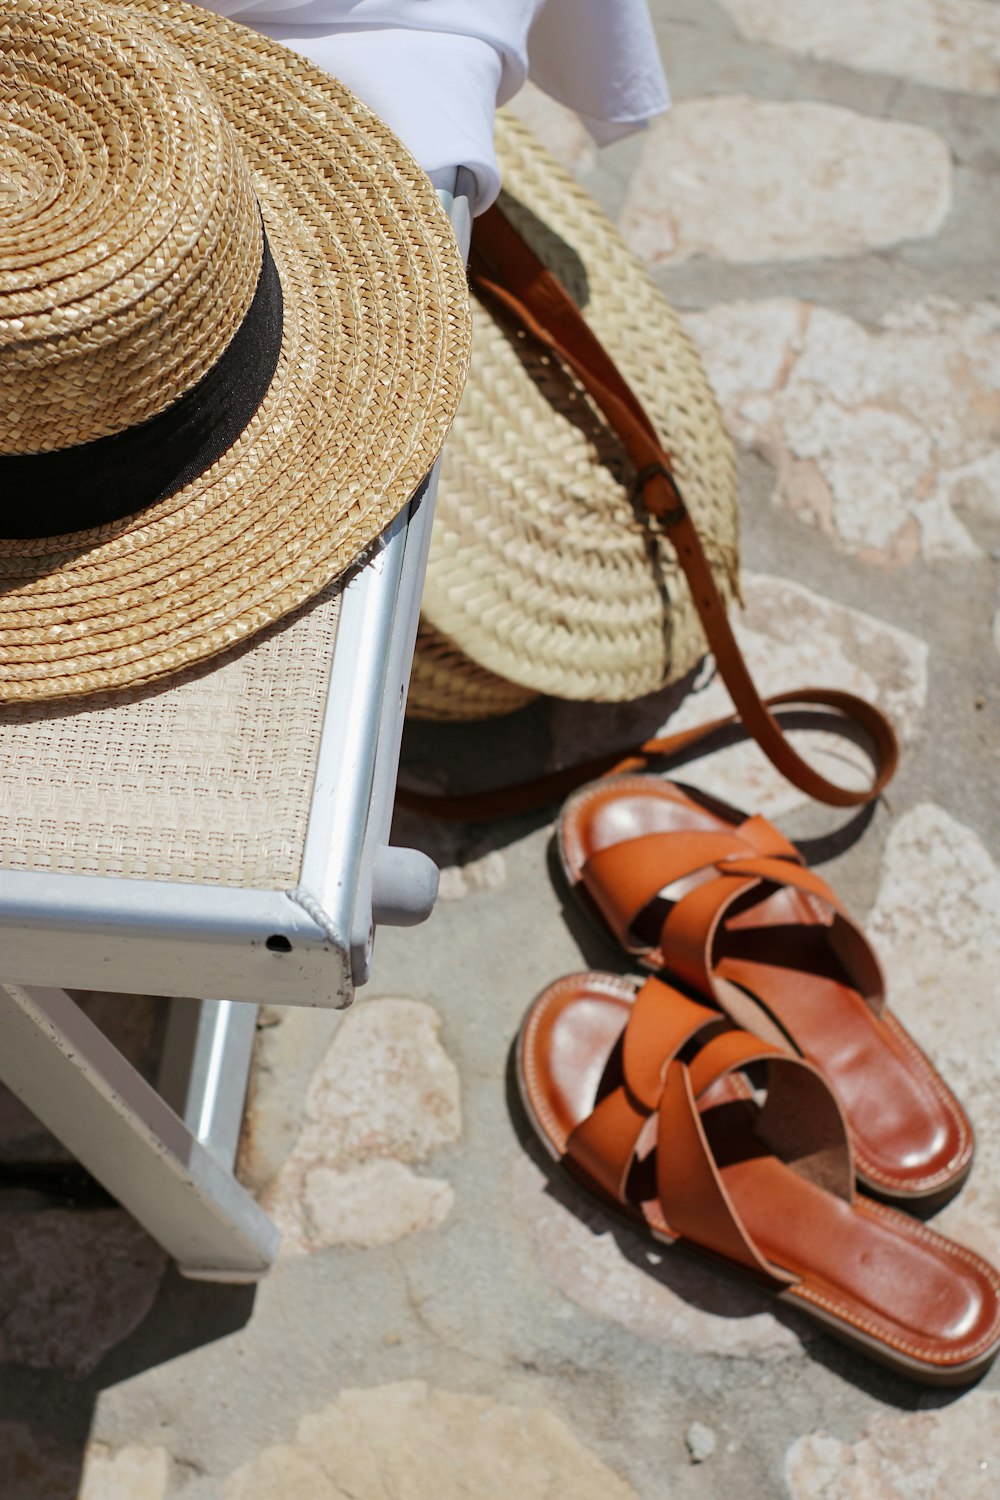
{"points": [[205, 1068], [60, 1064]]}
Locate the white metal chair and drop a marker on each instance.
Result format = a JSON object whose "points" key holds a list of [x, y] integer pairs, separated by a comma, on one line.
{"points": [[224, 838]]}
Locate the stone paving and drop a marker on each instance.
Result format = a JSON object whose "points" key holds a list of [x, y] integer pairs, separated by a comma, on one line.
{"points": [[447, 1318]]}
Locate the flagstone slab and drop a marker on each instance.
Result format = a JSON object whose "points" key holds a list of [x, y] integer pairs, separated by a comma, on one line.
{"points": [[385, 1095], [790, 636], [289, 1040], [488, 873], [936, 925], [949, 1454], [410, 1441], [882, 438], [949, 44], [747, 180], [131, 1473], [73, 1284]]}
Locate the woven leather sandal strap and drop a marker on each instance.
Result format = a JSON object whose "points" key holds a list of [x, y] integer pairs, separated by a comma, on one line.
{"points": [[621, 879], [689, 929], [661, 1022], [689, 1186], [504, 267]]}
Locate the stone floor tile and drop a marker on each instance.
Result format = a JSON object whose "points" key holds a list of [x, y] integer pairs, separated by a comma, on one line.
{"points": [[486, 874], [124, 1473], [790, 636], [840, 412], [745, 180], [950, 44], [72, 1285], [385, 1094], [654, 1292], [371, 1204], [411, 1441], [949, 1454], [936, 923], [289, 1040]]}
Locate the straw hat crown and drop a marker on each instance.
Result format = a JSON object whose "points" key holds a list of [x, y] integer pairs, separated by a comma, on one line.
{"points": [[130, 241], [234, 330]]}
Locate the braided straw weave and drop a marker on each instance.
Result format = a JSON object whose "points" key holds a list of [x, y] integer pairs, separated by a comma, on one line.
{"points": [[446, 684], [543, 571], [144, 144]]}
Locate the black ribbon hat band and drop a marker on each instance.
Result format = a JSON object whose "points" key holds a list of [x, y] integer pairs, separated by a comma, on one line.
{"points": [[74, 489]]}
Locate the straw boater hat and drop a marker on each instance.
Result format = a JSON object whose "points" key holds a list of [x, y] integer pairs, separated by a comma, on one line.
{"points": [[233, 334], [546, 574]]}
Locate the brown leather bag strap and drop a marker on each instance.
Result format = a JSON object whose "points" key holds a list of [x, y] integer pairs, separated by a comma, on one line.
{"points": [[504, 268]]}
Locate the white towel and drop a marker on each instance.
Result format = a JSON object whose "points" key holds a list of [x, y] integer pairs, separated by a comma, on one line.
{"points": [[435, 70]]}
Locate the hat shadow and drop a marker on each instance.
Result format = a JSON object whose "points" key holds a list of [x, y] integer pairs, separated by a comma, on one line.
{"points": [[34, 712]]}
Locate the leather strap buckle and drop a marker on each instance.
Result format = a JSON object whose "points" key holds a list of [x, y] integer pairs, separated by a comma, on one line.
{"points": [[678, 510]]}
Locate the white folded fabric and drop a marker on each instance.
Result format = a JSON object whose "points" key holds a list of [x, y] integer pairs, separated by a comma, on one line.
{"points": [[435, 70]]}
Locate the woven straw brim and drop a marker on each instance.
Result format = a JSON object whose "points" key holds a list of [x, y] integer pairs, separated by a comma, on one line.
{"points": [[543, 570], [372, 365]]}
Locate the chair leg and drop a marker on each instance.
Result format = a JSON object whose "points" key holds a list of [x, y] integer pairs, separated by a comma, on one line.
{"points": [[181, 1190], [205, 1068]]}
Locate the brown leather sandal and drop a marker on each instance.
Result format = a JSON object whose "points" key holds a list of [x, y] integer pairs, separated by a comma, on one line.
{"points": [[725, 905], [643, 1095]]}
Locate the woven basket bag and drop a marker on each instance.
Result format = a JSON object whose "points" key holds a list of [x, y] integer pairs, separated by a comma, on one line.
{"points": [[545, 574]]}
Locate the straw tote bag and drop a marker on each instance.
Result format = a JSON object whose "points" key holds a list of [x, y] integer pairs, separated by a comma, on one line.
{"points": [[546, 573], [584, 544]]}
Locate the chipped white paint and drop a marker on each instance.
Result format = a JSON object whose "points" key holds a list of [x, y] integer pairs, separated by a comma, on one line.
{"points": [[952, 1453], [881, 438], [654, 1292], [746, 180], [74, 1285], [385, 1094], [950, 44], [415, 1441], [936, 924], [125, 1473], [790, 636]]}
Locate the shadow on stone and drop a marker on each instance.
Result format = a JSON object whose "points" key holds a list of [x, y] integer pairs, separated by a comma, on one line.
{"points": [[47, 1401], [87, 1298]]}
